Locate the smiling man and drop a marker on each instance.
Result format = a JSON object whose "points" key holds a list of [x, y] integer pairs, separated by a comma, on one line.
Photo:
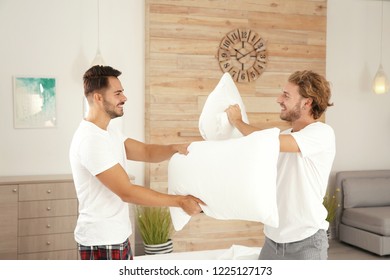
{"points": [[307, 151], [98, 155]]}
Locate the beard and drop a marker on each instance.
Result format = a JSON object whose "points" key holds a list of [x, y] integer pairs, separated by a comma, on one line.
{"points": [[291, 115], [110, 110]]}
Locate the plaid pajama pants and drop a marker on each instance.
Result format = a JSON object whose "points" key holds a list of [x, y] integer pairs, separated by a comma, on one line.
{"points": [[106, 252]]}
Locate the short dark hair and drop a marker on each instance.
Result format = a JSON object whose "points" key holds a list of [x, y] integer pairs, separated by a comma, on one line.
{"points": [[314, 86], [96, 78]]}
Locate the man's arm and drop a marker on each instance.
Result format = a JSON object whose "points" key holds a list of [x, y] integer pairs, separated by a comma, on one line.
{"points": [[287, 141], [117, 180], [288, 144], [139, 151]]}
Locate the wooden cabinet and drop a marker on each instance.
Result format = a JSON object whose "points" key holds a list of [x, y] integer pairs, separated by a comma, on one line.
{"points": [[47, 218], [8, 221], [38, 216]]}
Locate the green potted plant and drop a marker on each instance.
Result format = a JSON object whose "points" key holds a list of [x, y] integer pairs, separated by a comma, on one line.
{"points": [[155, 227], [331, 203]]}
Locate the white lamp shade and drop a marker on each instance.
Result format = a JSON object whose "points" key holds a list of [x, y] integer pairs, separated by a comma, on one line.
{"points": [[381, 82], [98, 60]]}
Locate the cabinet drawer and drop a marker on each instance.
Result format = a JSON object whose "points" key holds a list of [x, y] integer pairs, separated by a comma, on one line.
{"points": [[8, 194], [47, 208], [48, 191], [54, 255], [45, 243], [49, 225]]}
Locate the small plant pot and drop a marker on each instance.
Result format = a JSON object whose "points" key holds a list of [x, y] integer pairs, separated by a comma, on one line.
{"points": [[331, 232], [163, 248]]}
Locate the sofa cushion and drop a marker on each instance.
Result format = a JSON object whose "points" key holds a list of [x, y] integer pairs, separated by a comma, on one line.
{"points": [[373, 219], [366, 192]]}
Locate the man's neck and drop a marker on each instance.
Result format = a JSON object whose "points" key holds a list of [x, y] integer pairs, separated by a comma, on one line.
{"points": [[100, 120], [301, 124]]}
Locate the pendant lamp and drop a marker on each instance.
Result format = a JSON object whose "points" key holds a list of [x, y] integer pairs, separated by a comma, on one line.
{"points": [[98, 60], [381, 83]]}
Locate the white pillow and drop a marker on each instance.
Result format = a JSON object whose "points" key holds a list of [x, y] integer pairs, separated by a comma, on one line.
{"points": [[236, 178], [213, 121]]}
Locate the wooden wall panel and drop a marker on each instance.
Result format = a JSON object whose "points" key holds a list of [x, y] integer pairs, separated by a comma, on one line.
{"points": [[182, 40]]}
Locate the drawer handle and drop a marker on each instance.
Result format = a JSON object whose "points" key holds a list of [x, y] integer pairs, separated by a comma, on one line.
{"points": [[48, 243], [48, 191], [48, 226], [48, 208], [14, 190]]}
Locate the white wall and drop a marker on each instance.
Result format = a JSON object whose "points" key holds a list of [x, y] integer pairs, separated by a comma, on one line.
{"points": [[56, 37], [360, 118], [59, 38]]}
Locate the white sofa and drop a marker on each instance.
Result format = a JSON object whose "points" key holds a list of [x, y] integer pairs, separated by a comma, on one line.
{"points": [[365, 209]]}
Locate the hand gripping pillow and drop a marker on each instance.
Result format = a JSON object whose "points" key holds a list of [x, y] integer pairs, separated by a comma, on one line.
{"points": [[236, 178], [213, 121]]}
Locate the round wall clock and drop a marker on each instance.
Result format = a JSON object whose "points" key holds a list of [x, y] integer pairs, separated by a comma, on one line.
{"points": [[243, 54]]}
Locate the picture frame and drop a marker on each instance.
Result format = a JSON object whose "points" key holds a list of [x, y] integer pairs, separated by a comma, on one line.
{"points": [[34, 102]]}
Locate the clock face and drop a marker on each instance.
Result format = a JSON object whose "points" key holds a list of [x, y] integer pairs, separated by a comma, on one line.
{"points": [[243, 54]]}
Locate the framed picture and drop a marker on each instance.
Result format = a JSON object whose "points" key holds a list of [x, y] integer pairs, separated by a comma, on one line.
{"points": [[34, 102]]}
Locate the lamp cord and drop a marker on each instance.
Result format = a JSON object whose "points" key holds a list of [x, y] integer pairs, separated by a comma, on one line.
{"points": [[381, 34], [98, 12]]}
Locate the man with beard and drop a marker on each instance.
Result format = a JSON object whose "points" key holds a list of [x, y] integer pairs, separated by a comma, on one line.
{"points": [[307, 151], [98, 155]]}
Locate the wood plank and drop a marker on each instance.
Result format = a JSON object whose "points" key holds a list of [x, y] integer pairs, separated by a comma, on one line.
{"points": [[210, 17], [180, 46], [179, 86], [188, 73], [175, 124], [185, 31], [174, 117], [207, 74], [252, 104], [169, 138], [262, 20], [306, 51], [302, 7], [194, 47], [289, 65]]}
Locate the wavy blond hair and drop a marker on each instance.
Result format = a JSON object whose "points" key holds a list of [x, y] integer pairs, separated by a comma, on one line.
{"points": [[314, 86]]}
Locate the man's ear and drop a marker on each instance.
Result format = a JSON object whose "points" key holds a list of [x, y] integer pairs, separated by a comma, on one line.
{"points": [[97, 97], [308, 101]]}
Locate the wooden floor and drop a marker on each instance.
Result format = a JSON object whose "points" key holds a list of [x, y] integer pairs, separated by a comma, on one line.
{"points": [[343, 251]]}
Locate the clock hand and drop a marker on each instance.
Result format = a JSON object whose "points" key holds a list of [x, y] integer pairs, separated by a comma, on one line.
{"points": [[246, 54], [238, 51]]}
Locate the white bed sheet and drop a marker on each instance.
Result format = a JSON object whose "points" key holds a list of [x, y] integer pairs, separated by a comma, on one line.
{"points": [[235, 252]]}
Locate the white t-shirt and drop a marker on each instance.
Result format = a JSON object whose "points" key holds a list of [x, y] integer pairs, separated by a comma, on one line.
{"points": [[103, 216], [301, 184]]}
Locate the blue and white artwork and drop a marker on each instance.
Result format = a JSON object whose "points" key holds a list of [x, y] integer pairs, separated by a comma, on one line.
{"points": [[34, 102]]}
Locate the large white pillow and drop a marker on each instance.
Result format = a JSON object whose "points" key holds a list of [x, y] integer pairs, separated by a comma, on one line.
{"points": [[236, 178], [213, 121]]}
